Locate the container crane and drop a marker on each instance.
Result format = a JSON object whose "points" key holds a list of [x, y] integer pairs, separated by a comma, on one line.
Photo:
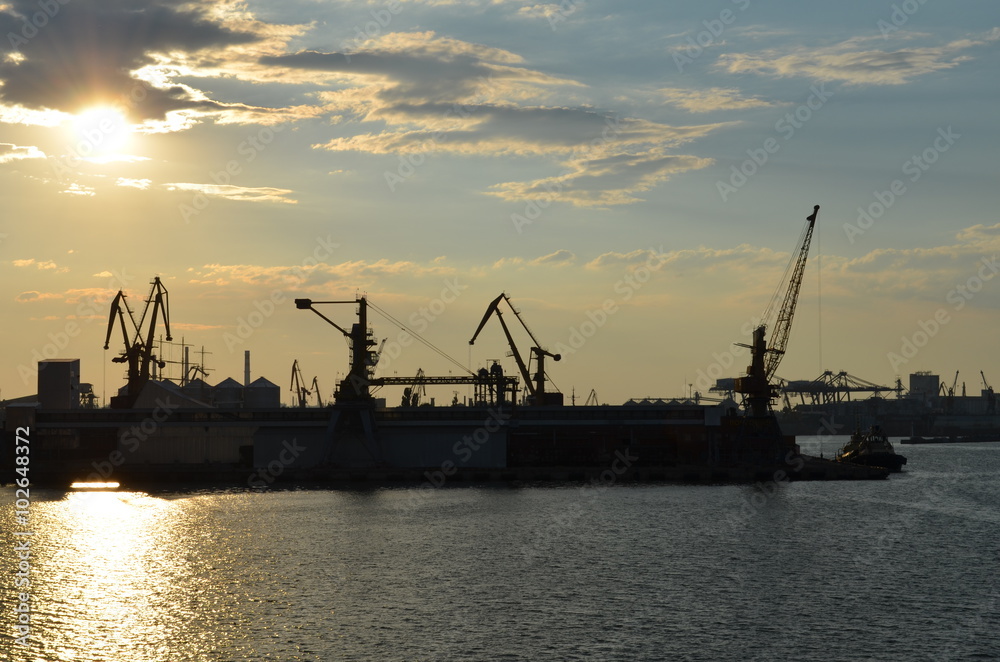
{"points": [[138, 352], [535, 385], [756, 386]]}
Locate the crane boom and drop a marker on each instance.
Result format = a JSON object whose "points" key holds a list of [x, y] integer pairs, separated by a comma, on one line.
{"points": [[756, 385], [536, 386], [783, 323]]}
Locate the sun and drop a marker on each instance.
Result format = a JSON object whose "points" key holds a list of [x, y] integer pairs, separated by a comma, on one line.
{"points": [[100, 133]]}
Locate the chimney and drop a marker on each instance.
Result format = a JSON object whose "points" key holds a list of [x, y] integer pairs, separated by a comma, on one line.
{"points": [[246, 368]]}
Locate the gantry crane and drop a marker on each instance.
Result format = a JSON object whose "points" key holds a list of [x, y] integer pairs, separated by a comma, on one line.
{"points": [[756, 386], [536, 384], [138, 352]]}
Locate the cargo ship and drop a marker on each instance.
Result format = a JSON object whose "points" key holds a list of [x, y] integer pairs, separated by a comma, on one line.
{"points": [[513, 429]]}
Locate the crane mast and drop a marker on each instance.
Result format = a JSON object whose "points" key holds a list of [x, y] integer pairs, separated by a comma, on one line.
{"points": [[756, 385]]}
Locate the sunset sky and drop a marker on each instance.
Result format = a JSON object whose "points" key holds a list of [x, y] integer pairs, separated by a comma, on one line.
{"points": [[635, 175]]}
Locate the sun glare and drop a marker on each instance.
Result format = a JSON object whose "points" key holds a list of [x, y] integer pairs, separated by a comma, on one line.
{"points": [[100, 133]]}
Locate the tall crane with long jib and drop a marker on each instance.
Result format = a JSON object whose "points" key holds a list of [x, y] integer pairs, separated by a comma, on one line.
{"points": [[536, 385], [138, 352], [756, 386]]}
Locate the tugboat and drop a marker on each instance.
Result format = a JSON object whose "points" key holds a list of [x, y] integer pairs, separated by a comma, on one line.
{"points": [[871, 448]]}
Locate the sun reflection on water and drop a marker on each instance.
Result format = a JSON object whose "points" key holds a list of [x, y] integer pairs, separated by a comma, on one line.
{"points": [[111, 572]]}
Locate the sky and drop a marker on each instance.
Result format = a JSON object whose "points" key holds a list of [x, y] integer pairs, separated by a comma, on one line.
{"points": [[634, 175]]}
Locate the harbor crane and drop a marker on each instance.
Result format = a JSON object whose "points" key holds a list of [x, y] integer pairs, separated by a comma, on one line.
{"points": [[298, 386], [412, 393], [138, 352], [315, 389], [756, 386], [991, 399], [535, 385], [356, 386]]}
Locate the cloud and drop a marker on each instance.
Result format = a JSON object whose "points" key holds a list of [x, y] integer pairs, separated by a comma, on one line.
{"points": [[34, 295], [712, 99], [141, 184], [44, 265], [80, 190], [314, 277], [559, 258], [128, 53], [602, 182], [236, 193], [440, 95], [854, 62], [10, 152]]}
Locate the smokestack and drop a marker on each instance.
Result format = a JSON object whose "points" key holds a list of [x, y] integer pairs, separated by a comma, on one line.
{"points": [[184, 366], [246, 368]]}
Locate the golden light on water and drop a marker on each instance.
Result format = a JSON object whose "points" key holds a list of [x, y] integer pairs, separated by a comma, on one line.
{"points": [[112, 580], [94, 486]]}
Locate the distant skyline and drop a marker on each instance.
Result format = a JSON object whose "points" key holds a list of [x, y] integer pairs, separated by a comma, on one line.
{"points": [[634, 175]]}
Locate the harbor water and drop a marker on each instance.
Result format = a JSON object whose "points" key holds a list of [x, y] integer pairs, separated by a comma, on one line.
{"points": [[902, 569]]}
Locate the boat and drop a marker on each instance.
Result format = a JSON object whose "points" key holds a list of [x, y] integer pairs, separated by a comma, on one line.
{"points": [[871, 448]]}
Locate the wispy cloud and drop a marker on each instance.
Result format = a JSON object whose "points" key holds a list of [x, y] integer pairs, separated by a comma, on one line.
{"points": [[855, 62], [10, 152], [235, 193], [712, 99], [44, 265], [442, 95]]}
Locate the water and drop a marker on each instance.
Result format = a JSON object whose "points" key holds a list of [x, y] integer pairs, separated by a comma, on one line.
{"points": [[904, 569]]}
